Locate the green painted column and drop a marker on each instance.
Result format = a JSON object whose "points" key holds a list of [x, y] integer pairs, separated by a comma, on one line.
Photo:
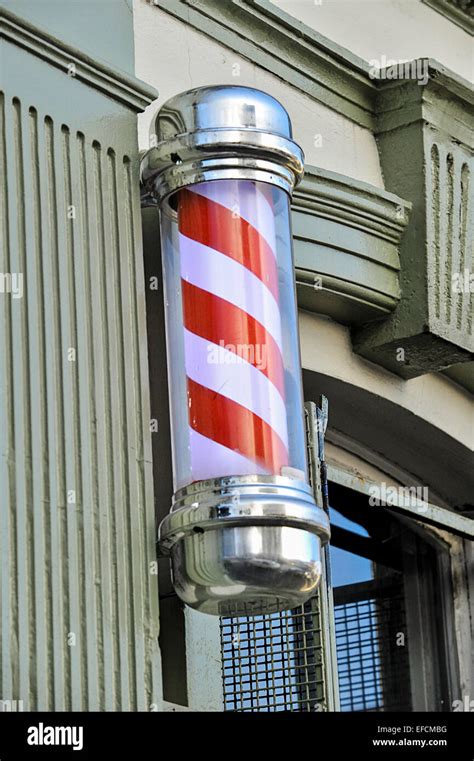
{"points": [[78, 588]]}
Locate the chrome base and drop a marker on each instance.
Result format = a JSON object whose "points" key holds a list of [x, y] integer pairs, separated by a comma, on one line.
{"points": [[245, 545]]}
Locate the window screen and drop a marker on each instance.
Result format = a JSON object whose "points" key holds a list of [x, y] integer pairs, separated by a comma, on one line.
{"points": [[274, 662], [372, 646]]}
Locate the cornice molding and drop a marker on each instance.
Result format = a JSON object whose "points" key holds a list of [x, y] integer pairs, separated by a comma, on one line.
{"points": [[129, 91], [460, 12], [343, 300], [300, 56], [346, 238], [357, 204], [446, 101], [318, 67]]}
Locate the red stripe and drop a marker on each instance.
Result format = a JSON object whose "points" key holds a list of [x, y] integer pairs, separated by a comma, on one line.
{"points": [[214, 225], [235, 427], [217, 320]]}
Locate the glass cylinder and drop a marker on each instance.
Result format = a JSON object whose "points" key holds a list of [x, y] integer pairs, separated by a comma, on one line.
{"points": [[234, 369]]}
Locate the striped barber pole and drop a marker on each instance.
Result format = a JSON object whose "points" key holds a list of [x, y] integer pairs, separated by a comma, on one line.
{"points": [[232, 330]]}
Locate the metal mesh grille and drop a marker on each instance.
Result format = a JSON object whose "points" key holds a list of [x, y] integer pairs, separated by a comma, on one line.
{"points": [[372, 648], [273, 662]]}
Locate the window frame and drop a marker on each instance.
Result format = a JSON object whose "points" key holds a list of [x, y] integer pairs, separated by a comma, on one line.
{"points": [[444, 530]]}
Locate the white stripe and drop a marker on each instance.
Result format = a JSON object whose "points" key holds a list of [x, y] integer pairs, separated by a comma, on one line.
{"points": [[222, 371], [209, 459], [245, 198], [217, 273]]}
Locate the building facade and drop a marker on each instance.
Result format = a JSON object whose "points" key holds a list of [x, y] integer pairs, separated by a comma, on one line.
{"points": [[380, 101]]}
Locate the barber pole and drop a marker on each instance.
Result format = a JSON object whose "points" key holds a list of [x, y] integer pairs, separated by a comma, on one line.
{"points": [[232, 325], [244, 533]]}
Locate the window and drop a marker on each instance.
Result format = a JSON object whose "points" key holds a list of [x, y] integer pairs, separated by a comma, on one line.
{"points": [[371, 632], [389, 617]]}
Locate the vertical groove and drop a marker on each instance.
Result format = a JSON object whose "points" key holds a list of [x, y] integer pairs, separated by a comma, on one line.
{"points": [[56, 433], [22, 406], [123, 528], [50, 491], [8, 556], [107, 491], [20, 444], [436, 225], [63, 408], [448, 289], [109, 285], [74, 511], [93, 634], [142, 575], [40, 447], [463, 235]]}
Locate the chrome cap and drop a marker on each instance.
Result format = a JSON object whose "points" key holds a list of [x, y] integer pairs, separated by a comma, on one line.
{"points": [[221, 107], [221, 132]]}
